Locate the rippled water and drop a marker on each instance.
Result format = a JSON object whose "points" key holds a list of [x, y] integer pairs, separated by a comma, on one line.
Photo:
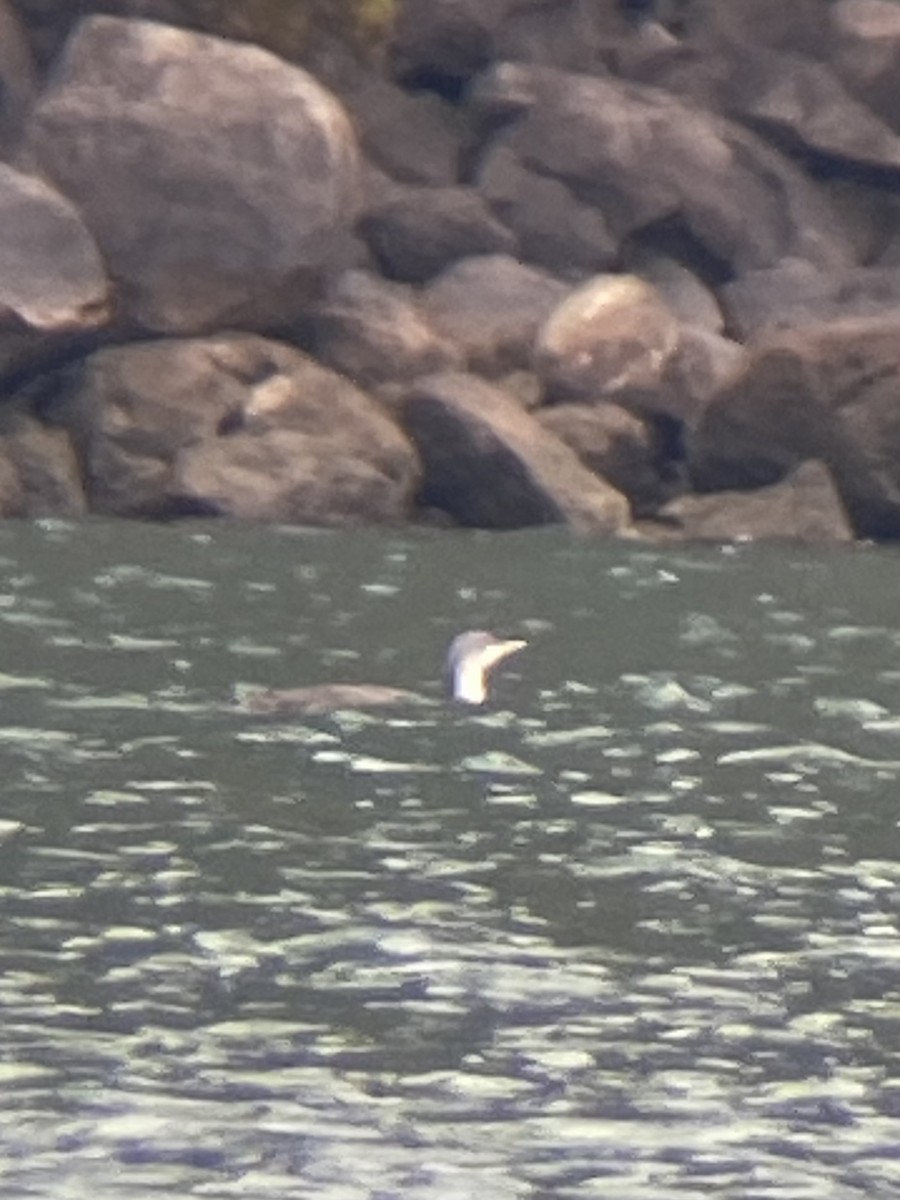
{"points": [[632, 932]]}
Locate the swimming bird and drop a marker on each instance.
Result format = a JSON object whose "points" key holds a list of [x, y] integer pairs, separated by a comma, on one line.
{"points": [[470, 659]]}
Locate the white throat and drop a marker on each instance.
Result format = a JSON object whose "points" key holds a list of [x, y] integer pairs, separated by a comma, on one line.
{"points": [[470, 682]]}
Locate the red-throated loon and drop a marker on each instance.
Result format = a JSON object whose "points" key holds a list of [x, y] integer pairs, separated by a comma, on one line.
{"points": [[470, 659]]}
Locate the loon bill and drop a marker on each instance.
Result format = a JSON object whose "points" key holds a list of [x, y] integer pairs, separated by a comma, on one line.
{"points": [[470, 659]]}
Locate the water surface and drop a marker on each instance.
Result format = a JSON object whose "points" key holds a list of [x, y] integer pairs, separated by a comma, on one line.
{"points": [[631, 931]]}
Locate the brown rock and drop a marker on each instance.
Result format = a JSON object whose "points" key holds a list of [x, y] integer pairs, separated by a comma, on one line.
{"points": [[412, 137], [805, 506], [46, 465], [491, 465], [417, 234], [795, 294], [53, 287], [492, 307], [374, 332], [12, 499], [232, 425], [865, 51], [17, 75], [554, 229], [826, 391], [611, 337], [646, 158], [620, 447], [287, 476]]}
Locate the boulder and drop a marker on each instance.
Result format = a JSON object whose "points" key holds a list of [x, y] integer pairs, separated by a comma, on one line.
{"points": [[287, 476], [489, 464], [12, 500], [492, 307], [827, 391], [701, 366], [805, 506], [794, 293], [865, 52], [554, 229], [53, 286], [622, 448], [612, 336], [801, 105], [778, 84], [47, 470], [414, 137], [418, 233], [18, 84], [374, 332], [219, 181], [694, 303], [443, 42], [232, 425], [647, 159]]}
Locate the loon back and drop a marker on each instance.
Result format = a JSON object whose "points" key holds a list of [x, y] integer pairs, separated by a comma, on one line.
{"points": [[330, 697]]}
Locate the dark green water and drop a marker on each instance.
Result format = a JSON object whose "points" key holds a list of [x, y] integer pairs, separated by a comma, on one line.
{"points": [[630, 932]]}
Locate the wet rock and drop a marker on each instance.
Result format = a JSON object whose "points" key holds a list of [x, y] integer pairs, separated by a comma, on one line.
{"points": [[229, 178], [374, 332], [612, 336], [491, 465], [48, 473], [622, 448], [738, 202], [233, 425], [805, 506], [12, 500], [53, 286], [826, 391], [492, 307], [415, 235]]}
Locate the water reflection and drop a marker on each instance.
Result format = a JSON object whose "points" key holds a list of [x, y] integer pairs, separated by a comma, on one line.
{"points": [[633, 930]]}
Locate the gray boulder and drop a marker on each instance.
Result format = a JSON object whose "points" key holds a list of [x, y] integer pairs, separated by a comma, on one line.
{"points": [[53, 287], [644, 157], [219, 181], [865, 51]]}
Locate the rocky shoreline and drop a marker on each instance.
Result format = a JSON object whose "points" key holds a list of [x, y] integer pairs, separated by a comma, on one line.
{"points": [[630, 267]]}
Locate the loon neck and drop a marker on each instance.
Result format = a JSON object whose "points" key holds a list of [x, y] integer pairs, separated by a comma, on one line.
{"points": [[469, 683]]}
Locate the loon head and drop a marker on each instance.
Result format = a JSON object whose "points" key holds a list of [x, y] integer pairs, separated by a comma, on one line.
{"points": [[471, 658]]}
